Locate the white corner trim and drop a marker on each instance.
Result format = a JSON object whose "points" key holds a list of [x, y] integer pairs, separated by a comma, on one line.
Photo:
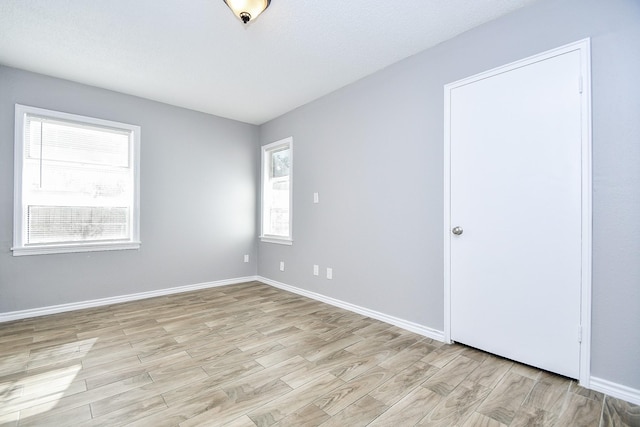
{"points": [[616, 390], [43, 311], [401, 323]]}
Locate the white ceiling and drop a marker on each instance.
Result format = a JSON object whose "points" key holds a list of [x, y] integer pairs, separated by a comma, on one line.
{"points": [[197, 55]]}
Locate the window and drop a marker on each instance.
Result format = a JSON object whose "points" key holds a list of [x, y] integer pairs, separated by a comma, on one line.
{"points": [[277, 167], [76, 183]]}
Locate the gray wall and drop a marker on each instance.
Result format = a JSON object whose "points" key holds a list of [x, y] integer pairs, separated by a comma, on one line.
{"points": [[373, 150], [198, 185]]}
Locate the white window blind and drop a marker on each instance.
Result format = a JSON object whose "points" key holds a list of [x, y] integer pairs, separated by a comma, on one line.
{"points": [[78, 183]]}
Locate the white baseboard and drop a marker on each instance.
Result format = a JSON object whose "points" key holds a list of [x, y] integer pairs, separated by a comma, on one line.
{"points": [[401, 323], [43, 311], [616, 390]]}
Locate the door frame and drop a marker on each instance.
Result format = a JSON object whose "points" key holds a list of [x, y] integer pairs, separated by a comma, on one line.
{"points": [[584, 334]]}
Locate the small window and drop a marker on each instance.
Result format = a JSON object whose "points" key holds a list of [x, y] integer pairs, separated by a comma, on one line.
{"points": [[277, 166], [76, 183]]}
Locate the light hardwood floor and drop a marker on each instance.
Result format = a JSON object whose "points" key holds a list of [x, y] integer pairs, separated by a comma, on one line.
{"points": [[249, 354]]}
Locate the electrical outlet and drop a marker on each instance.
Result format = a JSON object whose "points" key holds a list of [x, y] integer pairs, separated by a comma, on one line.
{"points": [[281, 265], [329, 273], [246, 258], [316, 270]]}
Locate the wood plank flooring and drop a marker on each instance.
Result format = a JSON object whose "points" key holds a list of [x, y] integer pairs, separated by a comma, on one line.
{"points": [[251, 355]]}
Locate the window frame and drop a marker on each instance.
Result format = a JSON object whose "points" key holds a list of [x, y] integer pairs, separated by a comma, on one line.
{"points": [[266, 150], [19, 239]]}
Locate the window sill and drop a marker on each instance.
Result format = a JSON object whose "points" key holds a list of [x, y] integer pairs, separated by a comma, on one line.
{"points": [[70, 248], [279, 241]]}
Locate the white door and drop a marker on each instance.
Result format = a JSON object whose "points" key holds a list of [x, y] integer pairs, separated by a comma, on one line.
{"points": [[516, 186]]}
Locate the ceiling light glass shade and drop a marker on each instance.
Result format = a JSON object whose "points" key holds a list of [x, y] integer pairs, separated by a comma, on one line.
{"points": [[247, 10]]}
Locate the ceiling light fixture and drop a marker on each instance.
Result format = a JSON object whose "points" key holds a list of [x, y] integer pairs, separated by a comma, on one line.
{"points": [[247, 10]]}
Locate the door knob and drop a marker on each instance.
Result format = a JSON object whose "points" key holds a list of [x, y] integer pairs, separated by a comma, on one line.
{"points": [[457, 230]]}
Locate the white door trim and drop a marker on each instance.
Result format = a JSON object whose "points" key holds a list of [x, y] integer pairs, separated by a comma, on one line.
{"points": [[584, 47]]}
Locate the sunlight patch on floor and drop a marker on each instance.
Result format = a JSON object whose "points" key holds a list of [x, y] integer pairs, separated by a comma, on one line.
{"points": [[40, 392]]}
